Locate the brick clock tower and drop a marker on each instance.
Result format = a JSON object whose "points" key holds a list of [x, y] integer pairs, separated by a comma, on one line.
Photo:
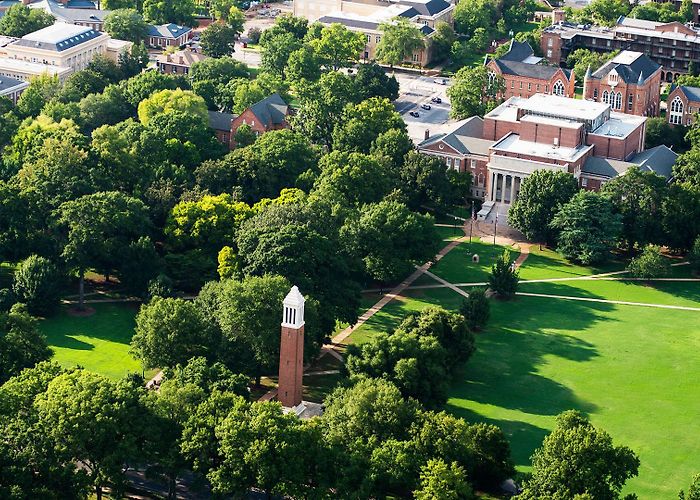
{"points": [[291, 350]]}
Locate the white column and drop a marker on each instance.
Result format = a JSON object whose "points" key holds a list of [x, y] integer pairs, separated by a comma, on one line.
{"points": [[512, 188], [493, 186]]}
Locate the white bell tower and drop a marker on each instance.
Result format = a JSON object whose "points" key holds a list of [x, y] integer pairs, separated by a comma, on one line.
{"points": [[293, 305]]}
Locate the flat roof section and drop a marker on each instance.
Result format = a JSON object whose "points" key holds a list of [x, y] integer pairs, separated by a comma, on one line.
{"points": [[619, 125], [512, 143], [564, 107], [546, 120]]}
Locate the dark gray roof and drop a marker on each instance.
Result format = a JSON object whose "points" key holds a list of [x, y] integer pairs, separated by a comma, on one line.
{"points": [[60, 46], [519, 51], [429, 8], [271, 110], [659, 160], [539, 71], [220, 121], [351, 23], [630, 73], [692, 93], [605, 167], [465, 139], [75, 14], [7, 83], [426, 30], [410, 13], [167, 30]]}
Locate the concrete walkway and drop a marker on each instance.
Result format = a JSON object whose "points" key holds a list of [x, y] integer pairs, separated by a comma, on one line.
{"points": [[605, 301], [395, 292]]}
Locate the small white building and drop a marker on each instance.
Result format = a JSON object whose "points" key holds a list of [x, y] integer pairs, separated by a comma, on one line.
{"points": [[12, 88]]}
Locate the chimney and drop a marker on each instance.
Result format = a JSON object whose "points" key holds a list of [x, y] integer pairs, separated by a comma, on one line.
{"points": [[182, 60], [290, 382], [427, 133]]}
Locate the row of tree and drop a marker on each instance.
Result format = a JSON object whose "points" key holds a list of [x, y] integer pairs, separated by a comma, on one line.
{"points": [[630, 212]]}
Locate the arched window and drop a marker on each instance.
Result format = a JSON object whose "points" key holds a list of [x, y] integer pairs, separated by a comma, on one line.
{"points": [[558, 88], [618, 100], [492, 77], [605, 97], [676, 114]]}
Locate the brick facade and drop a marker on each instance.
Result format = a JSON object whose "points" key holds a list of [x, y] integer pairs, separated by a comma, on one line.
{"points": [[682, 104], [291, 372]]}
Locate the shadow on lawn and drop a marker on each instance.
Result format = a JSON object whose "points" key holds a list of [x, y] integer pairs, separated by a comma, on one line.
{"points": [[69, 342], [528, 437], [111, 322], [538, 264], [523, 335]]}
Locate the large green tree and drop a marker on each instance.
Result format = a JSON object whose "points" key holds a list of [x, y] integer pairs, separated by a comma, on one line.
{"points": [[337, 46], [541, 196], [440, 480], [171, 331], [95, 230], [169, 11], [126, 24], [400, 39], [169, 101], [390, 239], [20, 20], [21, 343], [638, 197], [38, 284], [587, 227], [474, 92], [362, 123], [218, 40], [578, 459]]}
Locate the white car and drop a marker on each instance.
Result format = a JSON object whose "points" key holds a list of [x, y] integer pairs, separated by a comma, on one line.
{"points": [[441, 81]]}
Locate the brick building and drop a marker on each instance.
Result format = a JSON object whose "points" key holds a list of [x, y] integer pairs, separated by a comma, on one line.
{"points": [[462, 149], [524, 74], [671, 45], [168, 35], [12, 88], [269, 114], [682, 105], [178, 63], [522, 135], [630, 83], [221, 124]]}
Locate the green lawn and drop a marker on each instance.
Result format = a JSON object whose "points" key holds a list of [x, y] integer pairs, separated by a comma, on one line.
{"points": [[632, 369], [450, 233], [99, 342], [542, 264], [457, 266]]}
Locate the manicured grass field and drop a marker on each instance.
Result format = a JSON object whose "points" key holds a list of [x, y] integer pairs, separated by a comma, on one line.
{"points": [[457, 266], [632, 369], [99, 342]]}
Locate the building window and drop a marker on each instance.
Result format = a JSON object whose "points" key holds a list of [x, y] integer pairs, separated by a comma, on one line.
{"points": [[458, 163], [538, 87], [492, 77], [448, 162], [558, 88], [521, 85], [529, 86], [472, 164], [630, 98], [676, 115], [593, 41], [673, 53], [618, 100], [584, 182], [661, 50], [595, 93], [689, 121], [549, 54], [550, 42], [512, 84], [377, 39], [605, 97], [608, 43], [369, 38]]}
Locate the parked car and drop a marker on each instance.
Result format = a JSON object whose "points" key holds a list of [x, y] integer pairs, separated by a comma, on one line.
{"points": [[441, 81], [436, 100], [427, 107], [414, 114], [196, 38]]}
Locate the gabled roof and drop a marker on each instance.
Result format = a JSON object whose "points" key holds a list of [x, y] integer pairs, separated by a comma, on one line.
{"points": [[519, 51], [7, 83], [538, 71], [692, 93], [220, 121], [426, 30], [171, 30], [605, 167], [465, 138], [181, 58], [659, 160], [428, 7], [71, 13], [630, 66], [271, 111]]}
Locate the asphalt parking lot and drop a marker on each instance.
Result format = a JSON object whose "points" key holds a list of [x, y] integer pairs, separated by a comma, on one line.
{"points": [[416, 91]]}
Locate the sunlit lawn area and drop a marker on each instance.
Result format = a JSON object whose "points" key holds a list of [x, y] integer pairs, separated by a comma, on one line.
{"points": [[457, 266], [99, 342], [633, 369]]}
